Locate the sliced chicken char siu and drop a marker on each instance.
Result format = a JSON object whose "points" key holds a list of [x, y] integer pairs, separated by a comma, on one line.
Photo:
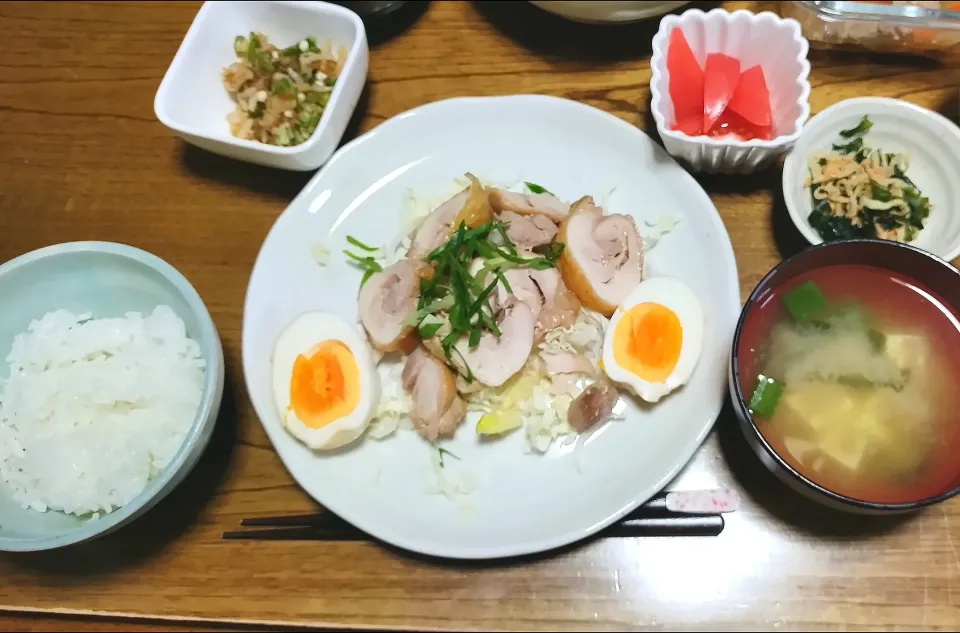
{"points": [[602, 261], [560, 306], [436, 227], [471, 207], [437, 408], [551, 303], [388, 300], [495, 359], [528, 232], [522, 287], [545, 204]]}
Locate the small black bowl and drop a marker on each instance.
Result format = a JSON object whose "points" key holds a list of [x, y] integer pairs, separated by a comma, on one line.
{"points": [[926, 269]]}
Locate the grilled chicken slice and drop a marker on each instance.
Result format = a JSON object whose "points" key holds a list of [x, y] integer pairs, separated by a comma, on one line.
{"points": [[529, 231], [551, 303], [436, 227], [560, 306], [387, 301], [545, 204], [495, 359], [437, 409], [602, 261], [522, 287], [471, 207]]}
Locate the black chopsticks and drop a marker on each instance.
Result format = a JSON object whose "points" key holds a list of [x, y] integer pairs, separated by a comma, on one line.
{"points": [[651, 519]]}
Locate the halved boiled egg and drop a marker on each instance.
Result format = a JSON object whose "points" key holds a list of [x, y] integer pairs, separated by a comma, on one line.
{"points": [[654, 338], [325, 382]]}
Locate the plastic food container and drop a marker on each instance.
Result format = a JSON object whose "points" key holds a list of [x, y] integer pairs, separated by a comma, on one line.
{"points": [[919, 28]]}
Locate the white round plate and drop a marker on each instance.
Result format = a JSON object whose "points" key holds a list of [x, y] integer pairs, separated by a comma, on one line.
{"points": [[520, 503], [931, 140]]}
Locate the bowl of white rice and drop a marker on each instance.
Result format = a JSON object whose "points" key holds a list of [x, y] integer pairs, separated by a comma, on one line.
{"points": [[110, 386]]}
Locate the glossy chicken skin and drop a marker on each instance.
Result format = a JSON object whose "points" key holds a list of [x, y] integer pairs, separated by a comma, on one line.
{"points": [[602, 260], [437, 408], [470, 207], [545, 204], [387, 301]]}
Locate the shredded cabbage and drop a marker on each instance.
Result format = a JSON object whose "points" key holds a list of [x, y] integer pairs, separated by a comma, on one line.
{"points": [[664, 224], [320, 253], [451, 481], [393, 410]]}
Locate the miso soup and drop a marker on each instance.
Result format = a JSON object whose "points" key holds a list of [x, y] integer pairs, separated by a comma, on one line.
{"points": [[852, 375]]}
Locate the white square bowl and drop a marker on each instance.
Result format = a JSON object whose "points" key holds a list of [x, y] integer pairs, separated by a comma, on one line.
{"points": [[776, 44], [192, 101]]}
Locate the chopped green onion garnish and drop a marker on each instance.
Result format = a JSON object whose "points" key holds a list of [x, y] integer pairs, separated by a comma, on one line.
{"points": [[805, 301], [368, 261], [503, 280], [474, 337], [535, 188], [765, 397], [551, 251], [368, 264], [429, 331], [283, 86], [466, 296], [366, 276], [442, 452], [361, 245], [240, 45], [429, 327]]}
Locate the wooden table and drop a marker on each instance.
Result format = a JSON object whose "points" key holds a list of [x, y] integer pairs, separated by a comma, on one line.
{"points": [[83, 158]]}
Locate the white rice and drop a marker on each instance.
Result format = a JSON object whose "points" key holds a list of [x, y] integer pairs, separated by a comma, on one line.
{"points": [[94, 409]]}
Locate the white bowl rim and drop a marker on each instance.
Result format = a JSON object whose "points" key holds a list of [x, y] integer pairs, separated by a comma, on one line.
{"points": [[349, 69], [921, 115], [803, 79], [212, 384]]}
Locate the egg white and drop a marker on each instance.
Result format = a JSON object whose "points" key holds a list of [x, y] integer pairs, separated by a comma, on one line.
{"points": [[299, 337], [677, 297]]}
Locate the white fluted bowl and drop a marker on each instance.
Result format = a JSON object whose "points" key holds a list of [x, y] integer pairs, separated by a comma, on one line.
{"points": [[776, 44]]}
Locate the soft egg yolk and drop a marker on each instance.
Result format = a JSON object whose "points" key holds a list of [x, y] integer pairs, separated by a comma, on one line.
{"points": [[647, 341], [325, 385]]}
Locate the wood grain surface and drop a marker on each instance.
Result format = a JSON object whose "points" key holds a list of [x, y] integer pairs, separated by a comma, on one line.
{"points": [[84, 158]]}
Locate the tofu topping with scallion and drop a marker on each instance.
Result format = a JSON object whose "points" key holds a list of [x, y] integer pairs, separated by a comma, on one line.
{"points": [[861, 192], [280, 93]]}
